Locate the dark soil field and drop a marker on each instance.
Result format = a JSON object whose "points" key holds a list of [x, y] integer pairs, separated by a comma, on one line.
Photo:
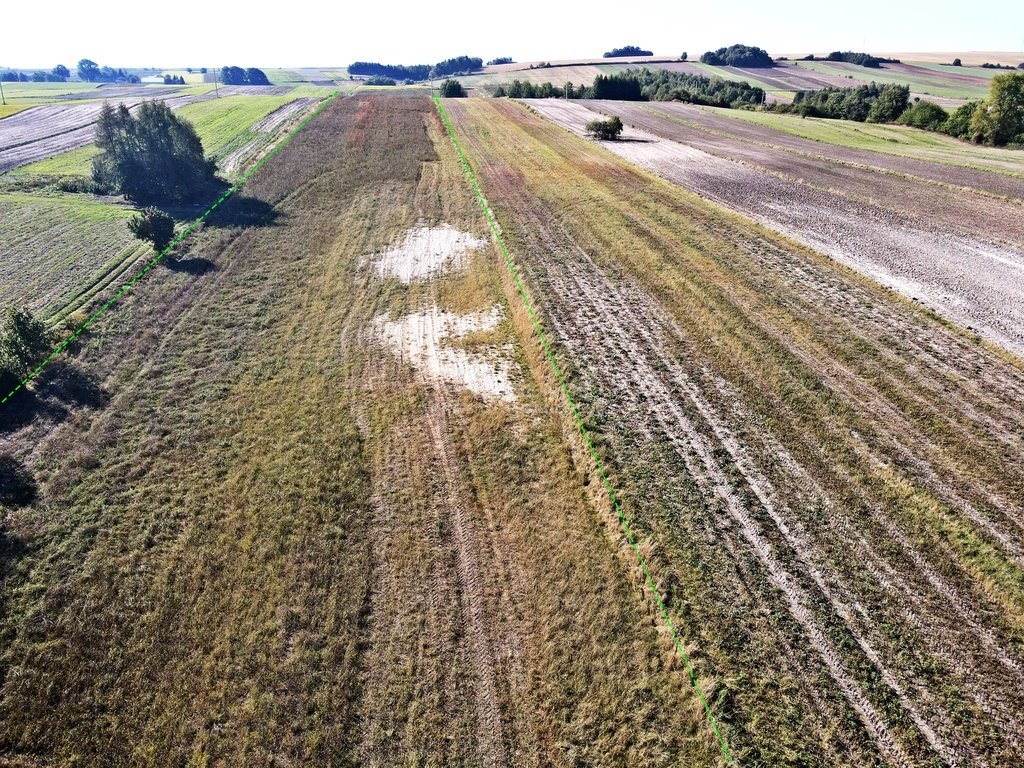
{"points": [[958, 252]]}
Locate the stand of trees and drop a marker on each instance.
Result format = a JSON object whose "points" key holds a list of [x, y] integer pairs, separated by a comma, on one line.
{"points": [[618, 87], [524, 89], [663, 85], [738, 56], [871, 103], [854, 57], [58, 74], [91, 72], [645, 85], [500, 60], [997, 121], [174, 80], [239, 76], [155, 157], [460, 65], [627, 50], [380, 80]]}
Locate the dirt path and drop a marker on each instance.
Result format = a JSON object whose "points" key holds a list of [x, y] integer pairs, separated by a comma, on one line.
{"points": [[974, 282]]}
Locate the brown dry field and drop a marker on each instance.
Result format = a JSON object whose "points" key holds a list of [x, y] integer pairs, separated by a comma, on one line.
{"points": [[957, 251], [257, 535], [828, 475]]}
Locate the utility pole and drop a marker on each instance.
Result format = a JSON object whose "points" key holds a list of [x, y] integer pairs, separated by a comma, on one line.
{"points": [[216, 86], [2, 97]]}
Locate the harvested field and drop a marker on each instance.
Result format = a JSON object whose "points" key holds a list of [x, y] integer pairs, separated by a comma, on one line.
{"points": [[42, 131], [57, 252], [960, 255], [268, 536], [820, 469], [921, 80]]}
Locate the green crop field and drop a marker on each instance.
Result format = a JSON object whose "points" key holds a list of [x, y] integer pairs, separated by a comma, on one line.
{"points": [[58, 250], [890, 139], [933, 87]]}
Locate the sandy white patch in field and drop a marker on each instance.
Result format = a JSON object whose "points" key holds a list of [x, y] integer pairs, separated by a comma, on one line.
{"points": [[424, 340], [425, 253]]}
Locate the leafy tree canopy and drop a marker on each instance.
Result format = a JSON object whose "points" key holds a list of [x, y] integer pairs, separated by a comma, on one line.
{"points": [[738, 56], [156, 156], [626, 50], [452, 89], [607, 130], [232, 75], [153, 226]]}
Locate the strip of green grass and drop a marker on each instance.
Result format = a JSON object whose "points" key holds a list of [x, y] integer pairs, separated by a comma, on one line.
{"points": [[889, 139]]}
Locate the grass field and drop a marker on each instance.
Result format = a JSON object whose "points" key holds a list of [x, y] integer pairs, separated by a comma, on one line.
{"points": [[58, 250], [889, 139], [227, 126], [349, 562], [936, 86]]}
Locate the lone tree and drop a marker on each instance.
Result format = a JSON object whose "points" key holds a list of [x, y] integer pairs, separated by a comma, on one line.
{"points": [[24, 343], [88, 70], [155, 157], [607, 130], [452, 89], [154, 226]]}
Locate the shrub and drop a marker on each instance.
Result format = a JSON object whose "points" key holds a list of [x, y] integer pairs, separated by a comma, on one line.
{"points": [[153, 226], [926, 115], [607, 130], [956, 63], [24, 343], [452, 89], [380, 80], [959, 123]]}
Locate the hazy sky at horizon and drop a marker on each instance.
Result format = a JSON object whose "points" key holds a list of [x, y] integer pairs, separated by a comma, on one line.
{"points": [[192, 33]]}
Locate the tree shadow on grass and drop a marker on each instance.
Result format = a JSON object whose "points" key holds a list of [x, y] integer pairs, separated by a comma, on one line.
{"points": [[195, 266], [17, 486], [59, 390], [241, 211]]}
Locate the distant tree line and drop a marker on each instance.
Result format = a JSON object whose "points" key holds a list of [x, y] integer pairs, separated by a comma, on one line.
{"points": [[239, 76], [91, 72], [58, 74], [626, 50], [524, 89], [500, 60], [738, 56], [380, 80], [644, 85], [460, 65], [853, 57], [174, 80], [663, 85], [997, 121], [871, 103]]}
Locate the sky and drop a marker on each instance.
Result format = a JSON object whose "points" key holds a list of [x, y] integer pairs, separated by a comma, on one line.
{"points": [[209, 33]]}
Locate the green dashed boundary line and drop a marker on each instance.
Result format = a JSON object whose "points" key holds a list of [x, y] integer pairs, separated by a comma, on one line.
{"points": [[163, 254], [584, 432]]}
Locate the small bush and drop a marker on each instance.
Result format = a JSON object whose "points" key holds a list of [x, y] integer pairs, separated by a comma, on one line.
{"points": [[24, 343], [926, 115], [607, 130], [957, 63], [154, 226], [452, 89]]}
